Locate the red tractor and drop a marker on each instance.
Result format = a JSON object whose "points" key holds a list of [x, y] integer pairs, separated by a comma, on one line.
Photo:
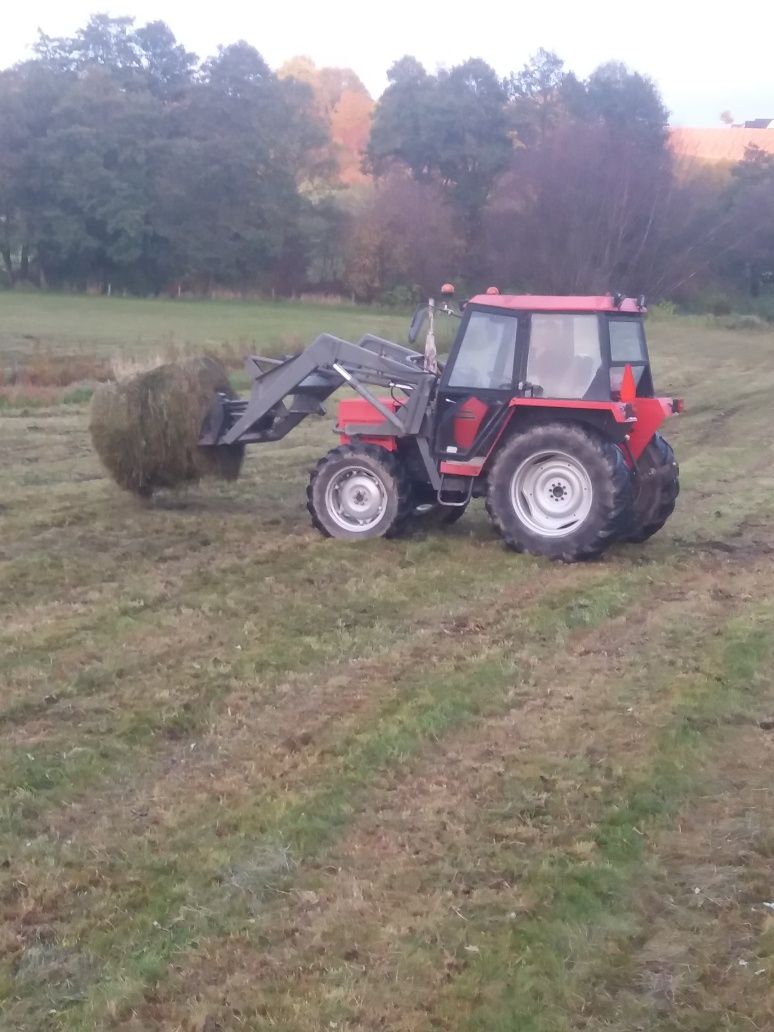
{"points": [[545, 407]]}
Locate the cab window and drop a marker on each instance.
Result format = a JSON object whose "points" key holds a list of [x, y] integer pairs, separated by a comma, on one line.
{"points": [[627, 347], [487, 353], [627, 342], [564, 354]]}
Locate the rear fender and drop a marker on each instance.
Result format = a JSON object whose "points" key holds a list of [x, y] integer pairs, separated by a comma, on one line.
{"points": [[650, 413], [613, 420]]}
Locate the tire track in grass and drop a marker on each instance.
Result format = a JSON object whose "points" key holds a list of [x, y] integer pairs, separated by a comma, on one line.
{"points": [[705, 959], [391, 911], [195, 870], [85, 750], [419, 818], [265, 721], [55, 801], [603, 892], [312, 818], [224, 601]]}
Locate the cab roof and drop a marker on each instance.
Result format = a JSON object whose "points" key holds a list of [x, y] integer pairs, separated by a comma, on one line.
{"points": [[557, 303]]}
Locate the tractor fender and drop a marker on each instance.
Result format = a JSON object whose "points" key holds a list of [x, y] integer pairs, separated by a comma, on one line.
{"points": [[611, 419]]}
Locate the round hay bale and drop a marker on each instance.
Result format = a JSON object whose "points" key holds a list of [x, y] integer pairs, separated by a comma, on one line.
{"points": [[145, 428]]}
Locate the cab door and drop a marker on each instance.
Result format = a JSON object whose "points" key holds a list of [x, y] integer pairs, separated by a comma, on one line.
{"points": [[478, 381]]}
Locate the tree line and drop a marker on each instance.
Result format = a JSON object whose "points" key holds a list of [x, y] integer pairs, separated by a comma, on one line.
{"points": [[126, 163]]}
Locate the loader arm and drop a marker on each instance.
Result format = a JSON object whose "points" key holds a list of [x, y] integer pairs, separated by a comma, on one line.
{"points": [[285, 392]]}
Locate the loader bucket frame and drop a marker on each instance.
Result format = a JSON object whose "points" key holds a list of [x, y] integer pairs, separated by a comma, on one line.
{"points": [[285, 391]]}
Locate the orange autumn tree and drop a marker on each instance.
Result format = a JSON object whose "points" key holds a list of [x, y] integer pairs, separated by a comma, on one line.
{"points": [[342, 102]]}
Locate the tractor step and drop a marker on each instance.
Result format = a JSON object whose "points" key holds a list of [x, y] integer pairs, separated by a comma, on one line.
{"points": [[455, 492]]}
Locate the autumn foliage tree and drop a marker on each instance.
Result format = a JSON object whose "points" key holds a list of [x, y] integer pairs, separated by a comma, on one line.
{"points": [[403, 236], [343, 106]]}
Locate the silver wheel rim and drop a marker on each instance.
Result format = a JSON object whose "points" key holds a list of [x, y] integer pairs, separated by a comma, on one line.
{"points": [[551, 493], [356, 499]]}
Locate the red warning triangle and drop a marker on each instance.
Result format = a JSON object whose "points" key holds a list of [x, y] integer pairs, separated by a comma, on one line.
{"points": [[628, 391]]}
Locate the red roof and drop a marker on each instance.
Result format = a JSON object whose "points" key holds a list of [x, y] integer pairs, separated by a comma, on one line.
{"points": [[719, 145], [555, 303]]}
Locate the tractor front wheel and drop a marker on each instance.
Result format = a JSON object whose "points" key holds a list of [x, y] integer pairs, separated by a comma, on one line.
{"points": [[656, 485], [359, 491], [559, 490]]}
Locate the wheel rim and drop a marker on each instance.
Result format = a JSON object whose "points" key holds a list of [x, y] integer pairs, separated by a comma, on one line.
{"points": [[356, 499], [551, 493]]}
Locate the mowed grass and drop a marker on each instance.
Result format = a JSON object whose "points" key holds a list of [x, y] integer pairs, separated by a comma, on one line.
{"points": [[254, 779], [110, 326]]}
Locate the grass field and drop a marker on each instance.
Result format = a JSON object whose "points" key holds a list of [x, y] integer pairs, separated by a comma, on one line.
{"points": [[253, 779]]}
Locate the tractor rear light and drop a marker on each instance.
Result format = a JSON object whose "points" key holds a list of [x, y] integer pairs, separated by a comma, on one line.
{"points": [[678, 404]]}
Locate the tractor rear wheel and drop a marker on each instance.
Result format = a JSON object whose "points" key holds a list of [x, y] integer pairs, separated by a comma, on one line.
{"points": [[559, 490], [655, 488], [359, 491]]}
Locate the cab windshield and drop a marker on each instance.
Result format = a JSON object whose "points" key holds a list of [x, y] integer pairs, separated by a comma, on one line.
{"points": [[486, 353]]}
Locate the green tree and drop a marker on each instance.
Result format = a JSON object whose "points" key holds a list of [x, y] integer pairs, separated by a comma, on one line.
{"points": [[537, 96], [148, 57], [29, 96], [122, 164], [751, 202], [404, 127], [453, 127], [627, 102], [227, 200]]}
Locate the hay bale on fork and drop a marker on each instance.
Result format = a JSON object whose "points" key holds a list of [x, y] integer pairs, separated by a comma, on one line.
{"points": [[145, 428]]}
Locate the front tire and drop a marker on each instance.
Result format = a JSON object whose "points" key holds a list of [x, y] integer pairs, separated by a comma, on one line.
{"points": [[560, 491], [359, 491]]}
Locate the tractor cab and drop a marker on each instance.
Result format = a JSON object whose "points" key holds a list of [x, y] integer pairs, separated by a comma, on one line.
{"points": [[575, 350], [550, 347]]}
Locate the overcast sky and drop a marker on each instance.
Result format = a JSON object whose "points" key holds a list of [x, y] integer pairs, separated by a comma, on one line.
{"points": [[703, 62]]}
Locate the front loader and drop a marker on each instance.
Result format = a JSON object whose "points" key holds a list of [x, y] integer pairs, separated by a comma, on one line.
{"points": [[545, 407]]}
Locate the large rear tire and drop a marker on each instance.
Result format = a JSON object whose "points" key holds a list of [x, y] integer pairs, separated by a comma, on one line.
{"points": [[560, 491], [359, 491], [655, 487]]}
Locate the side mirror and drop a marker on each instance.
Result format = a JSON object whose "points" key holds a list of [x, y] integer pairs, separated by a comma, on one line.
{"points": [[417, 322]]}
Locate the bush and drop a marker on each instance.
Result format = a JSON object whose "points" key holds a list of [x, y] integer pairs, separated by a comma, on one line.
{"points": [[78, 396], [744, 321], [400, 297], [50, 369]]}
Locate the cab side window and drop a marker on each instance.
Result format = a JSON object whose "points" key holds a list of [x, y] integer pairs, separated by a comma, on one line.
{"points": [[487, 353], [627, 347], [564, 354]]}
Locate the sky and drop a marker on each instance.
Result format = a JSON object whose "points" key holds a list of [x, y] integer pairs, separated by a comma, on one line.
{"points": [[703, 62]]}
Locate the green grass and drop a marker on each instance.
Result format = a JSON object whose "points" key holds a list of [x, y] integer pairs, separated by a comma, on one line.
{"points": [[107, 326], [251, 778]]}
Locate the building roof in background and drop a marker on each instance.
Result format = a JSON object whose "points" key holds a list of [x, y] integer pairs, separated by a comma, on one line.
{"points": [[720, 145]]}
